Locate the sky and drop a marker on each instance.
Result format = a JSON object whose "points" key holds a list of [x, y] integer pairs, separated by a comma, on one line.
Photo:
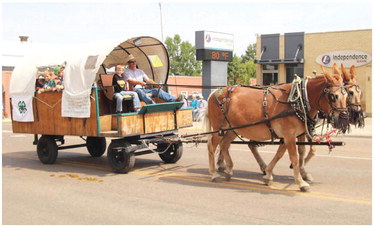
{"points": [[71, 22]]}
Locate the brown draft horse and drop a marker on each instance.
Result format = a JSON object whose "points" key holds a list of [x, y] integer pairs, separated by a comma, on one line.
{"points": [[244, 107], [356, 118]]}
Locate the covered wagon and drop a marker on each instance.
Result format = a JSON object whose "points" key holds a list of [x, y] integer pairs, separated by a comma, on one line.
{"points": [[84, 107]]}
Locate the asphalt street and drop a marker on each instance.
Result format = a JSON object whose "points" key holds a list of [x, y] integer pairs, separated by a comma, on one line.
{"points": [[79, 189]]}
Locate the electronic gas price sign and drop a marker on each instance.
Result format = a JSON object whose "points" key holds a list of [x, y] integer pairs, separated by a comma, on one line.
{"points": [[215, 46]]}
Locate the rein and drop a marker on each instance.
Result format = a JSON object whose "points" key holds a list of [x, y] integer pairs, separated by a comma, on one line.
{"points": [[280, 115]]}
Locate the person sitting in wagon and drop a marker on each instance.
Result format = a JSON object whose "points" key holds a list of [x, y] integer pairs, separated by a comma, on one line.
{"points": [[138, 79], [49, 84], [60, 79], [121, 88], [40, 82]]}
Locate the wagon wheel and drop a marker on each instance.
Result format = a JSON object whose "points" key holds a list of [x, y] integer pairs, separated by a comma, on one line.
{"points": [[119, 157], [47, 149], [172, 154], [96, 146]]}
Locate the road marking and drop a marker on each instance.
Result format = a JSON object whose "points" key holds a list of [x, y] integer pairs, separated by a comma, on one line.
{"points": [[323, 156], [247, 184]]}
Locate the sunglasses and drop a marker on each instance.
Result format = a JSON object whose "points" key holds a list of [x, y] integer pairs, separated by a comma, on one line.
{"points": [[131, 61]]}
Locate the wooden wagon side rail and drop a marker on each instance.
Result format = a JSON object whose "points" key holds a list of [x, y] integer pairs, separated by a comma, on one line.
{"points": [[48, 119]]}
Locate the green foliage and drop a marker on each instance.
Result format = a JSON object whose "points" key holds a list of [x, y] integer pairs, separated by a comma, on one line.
{"points": [[241, 69], [250, 53], [235, 71], [182, 57]]}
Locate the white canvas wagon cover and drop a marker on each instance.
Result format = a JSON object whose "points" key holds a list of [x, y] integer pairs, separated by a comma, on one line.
{"points": [[83, 64]]}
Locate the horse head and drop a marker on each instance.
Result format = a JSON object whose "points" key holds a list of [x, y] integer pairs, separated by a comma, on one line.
{"points": [[356, 115], [333, 100]]}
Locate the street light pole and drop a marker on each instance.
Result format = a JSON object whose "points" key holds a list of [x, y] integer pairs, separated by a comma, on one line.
{"points": [[162, 31]]}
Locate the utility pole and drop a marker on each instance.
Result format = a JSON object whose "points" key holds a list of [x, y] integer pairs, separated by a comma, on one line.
{"points": [[162, 30]]}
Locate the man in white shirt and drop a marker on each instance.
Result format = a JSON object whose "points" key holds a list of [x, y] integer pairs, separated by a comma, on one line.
{"points": [[139, 79]]}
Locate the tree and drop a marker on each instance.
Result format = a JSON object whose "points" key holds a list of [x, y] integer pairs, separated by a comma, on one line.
{"points": [[182, 57], [250, 53], [241, 71], [235, 71]]}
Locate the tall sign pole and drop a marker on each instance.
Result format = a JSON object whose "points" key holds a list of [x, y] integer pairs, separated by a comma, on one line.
{"points": [[162, 30], [215, 49]]}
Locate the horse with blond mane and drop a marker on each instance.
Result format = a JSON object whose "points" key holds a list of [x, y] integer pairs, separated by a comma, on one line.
{"points": [[237, 106]]}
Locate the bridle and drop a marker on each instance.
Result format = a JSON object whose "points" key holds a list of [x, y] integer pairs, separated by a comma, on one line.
{"points": [[350, 95], [356, 114], [331, 97]]}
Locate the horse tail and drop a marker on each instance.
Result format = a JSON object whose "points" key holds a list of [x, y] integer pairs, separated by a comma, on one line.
{"points": [[206, 121]]}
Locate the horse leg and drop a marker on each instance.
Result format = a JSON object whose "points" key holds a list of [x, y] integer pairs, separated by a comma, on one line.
{"points": [[311, 154], [220, 162], [225, 144], [213, 141], [291, 147], [258, 158], [301, 149], [268, 178]]}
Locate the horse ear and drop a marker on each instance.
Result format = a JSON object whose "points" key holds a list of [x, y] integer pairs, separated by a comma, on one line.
{"points": [[339, 78], [353, 72], [327, 75], [335, 69], [346, 76]]}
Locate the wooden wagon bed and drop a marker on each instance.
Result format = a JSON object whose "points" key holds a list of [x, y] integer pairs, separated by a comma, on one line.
{"points": [[151, 119]]}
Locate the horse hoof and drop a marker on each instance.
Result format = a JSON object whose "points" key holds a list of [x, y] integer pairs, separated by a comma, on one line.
{"points": [[305, 189], [308, 177], [216, 178], [268, 182], [227, 177], [221, 169]]}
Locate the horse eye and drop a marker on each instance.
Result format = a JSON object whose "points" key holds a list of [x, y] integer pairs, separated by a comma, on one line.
{"points": [[332, 97], [358, 89]]}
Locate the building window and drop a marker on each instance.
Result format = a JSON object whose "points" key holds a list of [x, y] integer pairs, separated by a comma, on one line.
{"points": [[292, 69], [270, 74], [270, 78], [271, 67]]}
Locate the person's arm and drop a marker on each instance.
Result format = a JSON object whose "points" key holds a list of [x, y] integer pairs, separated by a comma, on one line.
{"points": [[150, 81], [136, 82], [133, 82]]}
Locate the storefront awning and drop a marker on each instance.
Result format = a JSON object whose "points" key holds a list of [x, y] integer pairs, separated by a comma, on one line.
{"points": [[280, 61]]}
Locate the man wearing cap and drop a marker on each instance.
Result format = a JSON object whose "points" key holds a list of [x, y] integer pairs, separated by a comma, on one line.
{"points": [[138, 79]]}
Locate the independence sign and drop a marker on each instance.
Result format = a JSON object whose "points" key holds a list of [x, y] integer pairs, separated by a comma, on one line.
{"points": [[345, 57]]}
